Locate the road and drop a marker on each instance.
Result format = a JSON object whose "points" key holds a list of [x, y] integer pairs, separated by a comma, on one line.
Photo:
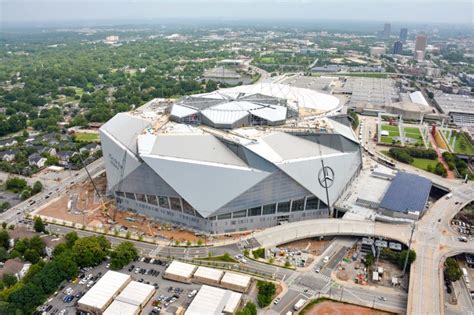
{"points": [[13, 214], [434, 242]]}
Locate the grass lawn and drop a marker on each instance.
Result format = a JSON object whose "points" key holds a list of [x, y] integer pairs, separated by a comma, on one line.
{"points": [[86, 137], [386, 139], [222, 258], [392, 130], [267, 60], [414, 133], [79, 91], [423, 163], [418, 163], [463, 145]]}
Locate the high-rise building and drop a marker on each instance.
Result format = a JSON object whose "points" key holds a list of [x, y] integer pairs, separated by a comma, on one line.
{"points": [[387, 28], [420, 42], [397, 48], [403, 35]]}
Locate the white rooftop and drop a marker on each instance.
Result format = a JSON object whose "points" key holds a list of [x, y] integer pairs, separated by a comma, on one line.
{"points": [[121, 308], [213, 301], [104, 289], [236, 279], [180, 269], [135, 293], [418, 98], [208, 273]]}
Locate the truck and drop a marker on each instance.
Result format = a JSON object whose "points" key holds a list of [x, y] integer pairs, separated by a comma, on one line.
{"points": [[299, 304]]}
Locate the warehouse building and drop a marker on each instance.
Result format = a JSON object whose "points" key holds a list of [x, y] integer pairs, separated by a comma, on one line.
{"points": [[214, 301], [236, 282], [136, 293], [122, 308], [179, 164], [132, 299], [459, 108], [179, 271], [101, 295], [208, 276]]}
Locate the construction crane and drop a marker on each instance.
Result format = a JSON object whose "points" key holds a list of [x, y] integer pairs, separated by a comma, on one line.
{"points": [[103, 202]]}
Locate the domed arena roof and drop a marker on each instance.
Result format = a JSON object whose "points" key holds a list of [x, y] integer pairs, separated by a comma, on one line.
{"points": [[257, 104]]}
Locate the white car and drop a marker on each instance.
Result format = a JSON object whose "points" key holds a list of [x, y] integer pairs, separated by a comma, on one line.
{"points": [[137, 270], [277, 300], [193, 293], [90, 284]]}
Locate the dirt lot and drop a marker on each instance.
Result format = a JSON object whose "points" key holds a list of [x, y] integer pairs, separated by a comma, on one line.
{"points": [[313, 246], [86, 208], [335, 308]]}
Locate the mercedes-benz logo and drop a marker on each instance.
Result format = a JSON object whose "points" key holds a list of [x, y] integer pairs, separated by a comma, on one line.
{"points": [[326, 177]]}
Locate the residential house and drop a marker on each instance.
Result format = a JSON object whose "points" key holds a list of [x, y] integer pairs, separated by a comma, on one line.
{"points": [[8, 156], [91, 148], [15, 267], [65, 156], [5, 143], [36, 160]]}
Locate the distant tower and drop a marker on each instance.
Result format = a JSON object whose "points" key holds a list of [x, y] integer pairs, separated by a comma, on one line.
{"points": [[403, 35], [387, 28], [420, 42], [397, 48]]}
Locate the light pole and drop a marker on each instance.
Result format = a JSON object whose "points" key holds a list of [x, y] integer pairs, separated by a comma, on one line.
{"points": [[408, 251]]}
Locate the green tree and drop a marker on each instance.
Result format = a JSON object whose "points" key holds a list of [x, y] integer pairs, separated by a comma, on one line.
{"points": [[16, 184], [88, 251], [37, 187], [4, 239], [71, 238], [403, 255], [452, 272], [122, 255], [249, 309], [32, 256], [39, 225], [9, 279], [3, 254], [369, 260], [266, 290]]}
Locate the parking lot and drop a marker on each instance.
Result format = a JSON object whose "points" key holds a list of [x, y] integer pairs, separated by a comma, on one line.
{"points": [[170, 294]]}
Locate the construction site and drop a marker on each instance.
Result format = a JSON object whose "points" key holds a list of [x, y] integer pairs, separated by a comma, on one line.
{"points": [[85, 207]]}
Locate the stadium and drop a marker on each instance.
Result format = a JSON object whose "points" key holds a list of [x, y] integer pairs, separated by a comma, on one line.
{"points": [[231, 160]]}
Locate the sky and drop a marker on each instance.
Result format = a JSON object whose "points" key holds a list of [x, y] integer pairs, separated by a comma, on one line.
{"points": [[421, 11]]}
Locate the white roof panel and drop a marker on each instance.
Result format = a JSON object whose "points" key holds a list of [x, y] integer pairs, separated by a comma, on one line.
{"points": [[136, 293], [107, 286], [182, 111], [180, 269], [121, 308], [213, 301], [236, 279], [418, 98], [208, 273]]}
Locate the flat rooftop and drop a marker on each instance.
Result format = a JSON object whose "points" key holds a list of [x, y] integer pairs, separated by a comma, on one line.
{"points": [[407, 192], [449, 103], [214, 301], [180, 269], [107, 286]]}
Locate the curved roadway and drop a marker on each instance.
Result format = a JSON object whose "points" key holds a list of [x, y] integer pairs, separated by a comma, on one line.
{"points": [[433, 242]]}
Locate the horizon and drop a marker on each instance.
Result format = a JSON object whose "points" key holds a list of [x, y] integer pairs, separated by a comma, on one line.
{"points": [[104, 12]]}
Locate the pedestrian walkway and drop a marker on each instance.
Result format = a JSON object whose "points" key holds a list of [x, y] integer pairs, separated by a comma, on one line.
{"points": [[440, 156]]}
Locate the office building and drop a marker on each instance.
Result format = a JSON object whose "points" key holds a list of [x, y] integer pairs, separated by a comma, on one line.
{"points": [[420, 42], [397, 48], [403, 35], [387, 29]]}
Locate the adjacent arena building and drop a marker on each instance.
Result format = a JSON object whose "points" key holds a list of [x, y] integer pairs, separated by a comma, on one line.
{"points": [[231, 160]]}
